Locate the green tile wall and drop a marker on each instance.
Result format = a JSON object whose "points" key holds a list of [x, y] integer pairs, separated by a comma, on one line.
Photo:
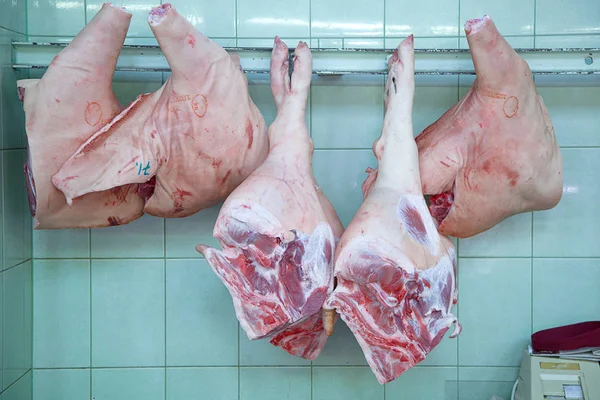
{"points": [[133, 312], [16, 322]]}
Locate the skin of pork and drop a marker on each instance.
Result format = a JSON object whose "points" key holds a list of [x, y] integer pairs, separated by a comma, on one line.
{"points": [[65, 108], [494, 154], [396, 274], [277, 229], [190, 143]]}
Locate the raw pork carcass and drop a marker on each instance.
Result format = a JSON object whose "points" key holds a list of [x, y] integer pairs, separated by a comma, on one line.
{"points": [[494, 154], [277, 229], [396, 276], [200, 135], [73, 100]]}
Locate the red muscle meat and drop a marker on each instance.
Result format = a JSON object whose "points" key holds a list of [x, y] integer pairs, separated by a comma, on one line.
{"points": [[73, 100], [277, 228], [200, 135], [396, 275]]}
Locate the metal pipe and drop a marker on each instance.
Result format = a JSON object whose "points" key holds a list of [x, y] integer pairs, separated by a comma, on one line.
{"points": [[336, 62]]}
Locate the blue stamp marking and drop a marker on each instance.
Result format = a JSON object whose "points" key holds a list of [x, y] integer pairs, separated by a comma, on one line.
{"points": [[143, 169]]}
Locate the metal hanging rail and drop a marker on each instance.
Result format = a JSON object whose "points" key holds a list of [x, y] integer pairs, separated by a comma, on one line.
{"points": [[334, 62]]}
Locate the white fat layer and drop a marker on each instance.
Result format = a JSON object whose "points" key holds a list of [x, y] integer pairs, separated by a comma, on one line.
{"points": [[314, 262], [432, 238], [364, 245], [255, 216]]}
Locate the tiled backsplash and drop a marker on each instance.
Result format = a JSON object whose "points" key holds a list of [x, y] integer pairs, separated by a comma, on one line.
{"points": [[16, 291], [133, 312]]}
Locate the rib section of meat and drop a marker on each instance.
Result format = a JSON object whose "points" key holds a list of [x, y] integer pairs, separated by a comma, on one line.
{"points": [[73, 100], [277, 229], [396, 275], [190, 143]]}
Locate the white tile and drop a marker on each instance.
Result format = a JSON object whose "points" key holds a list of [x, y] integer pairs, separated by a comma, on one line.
{"points": [[1, 228], [425, 18], [291, 42], [17, 218], [138, 8], [202, 383], [425, 383], [17, 324], [20, 390], [363, 43], [49, 39], [291, 383], [574, 114], [270, 17], [225, 42], [495, 310], [568, 229], [512, 17], [61, 243], [431, 102], [565, 291], [61, 313], [352, 383], [151, 41], [128, 384], [341, 348], [484, 382], [128, 85], [425, 43], [346, 116], [12, 116], [343, 188], [14, 15], [128, 313], [183, 234], [574, 16], [347, 18], [579, 41], [55, 18], [201, 325], [209, 17], [510, 238], [331, 43], [142, 238], [63, 384]]}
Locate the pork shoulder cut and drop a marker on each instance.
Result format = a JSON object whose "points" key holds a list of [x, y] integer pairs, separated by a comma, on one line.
{"points": [[190, 143], [63, 109]]}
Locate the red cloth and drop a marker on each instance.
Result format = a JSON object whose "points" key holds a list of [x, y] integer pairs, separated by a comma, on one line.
{"points": [[568, 337]]}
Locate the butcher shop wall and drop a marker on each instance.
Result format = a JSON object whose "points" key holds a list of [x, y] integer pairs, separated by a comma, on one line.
{"points": [[16, 292], [131, 312]]}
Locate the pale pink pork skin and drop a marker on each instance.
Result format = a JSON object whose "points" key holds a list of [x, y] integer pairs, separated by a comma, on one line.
{"points": [[278, 229], [396, 275], [494, 154], [190, 143], [63, 109]]}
